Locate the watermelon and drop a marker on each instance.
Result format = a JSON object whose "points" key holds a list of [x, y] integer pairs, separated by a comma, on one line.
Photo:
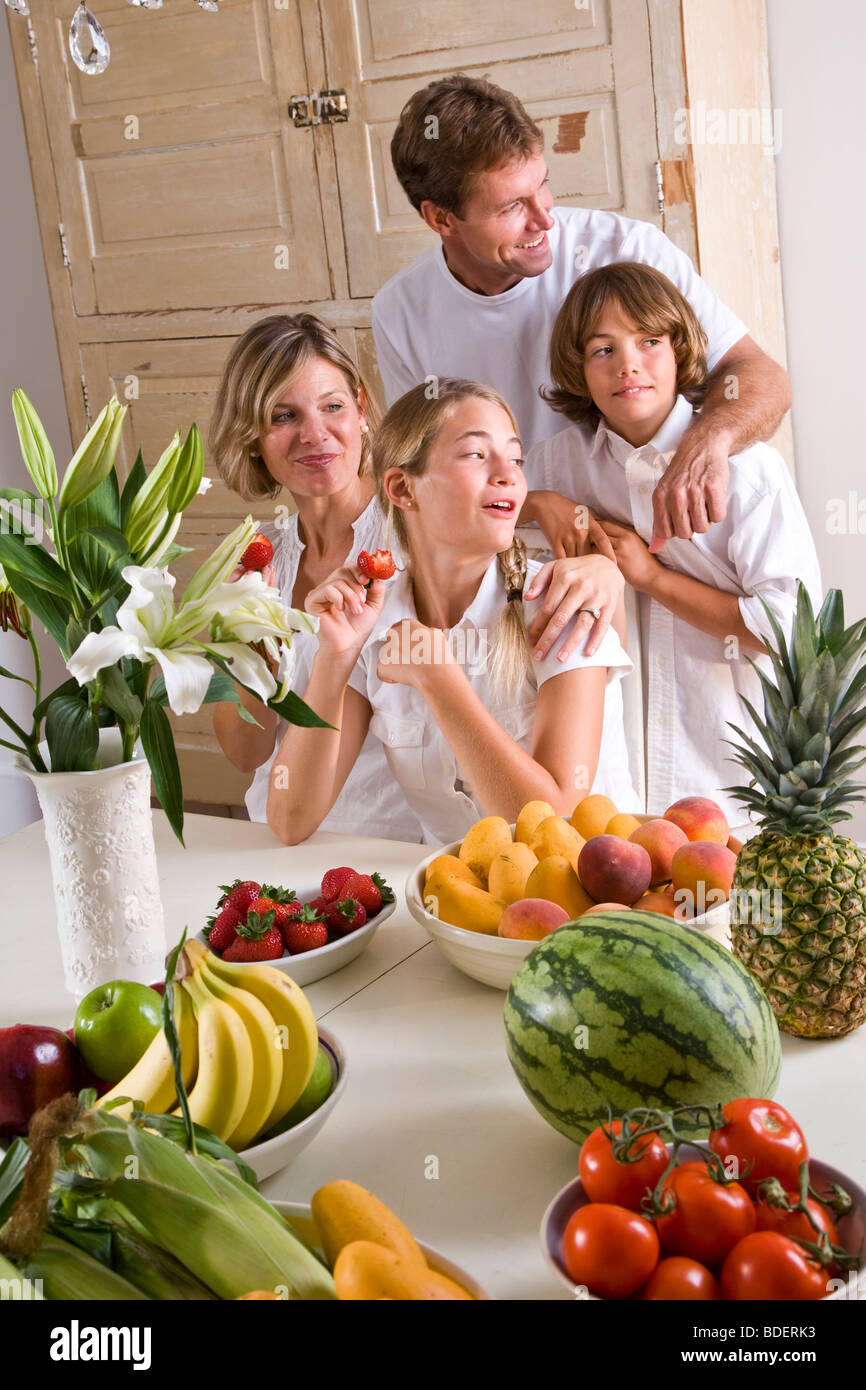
{"points": [[626, 1009]]}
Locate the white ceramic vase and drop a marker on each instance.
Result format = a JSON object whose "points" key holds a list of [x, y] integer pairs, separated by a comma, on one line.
{"points": [[99, 830]]}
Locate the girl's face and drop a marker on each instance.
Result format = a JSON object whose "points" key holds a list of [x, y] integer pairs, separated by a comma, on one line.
{"points": [[313, 446], [471, 492], [631, 375]]}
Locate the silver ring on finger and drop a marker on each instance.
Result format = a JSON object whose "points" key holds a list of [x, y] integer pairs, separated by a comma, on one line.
{"points": [[596, 612]]}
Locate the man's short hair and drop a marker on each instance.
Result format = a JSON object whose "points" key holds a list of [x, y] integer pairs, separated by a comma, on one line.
{"points": [[454, 129]]}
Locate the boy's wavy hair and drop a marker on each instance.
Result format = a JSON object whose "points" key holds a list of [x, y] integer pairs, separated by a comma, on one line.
{"points": [[403, 440], [652, 303]]}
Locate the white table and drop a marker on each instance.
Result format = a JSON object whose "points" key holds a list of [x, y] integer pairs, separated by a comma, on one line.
{"points": [[433, 1120]]}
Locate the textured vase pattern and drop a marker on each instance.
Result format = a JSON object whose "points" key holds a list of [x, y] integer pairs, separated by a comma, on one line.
{"points": [[99, 831]]}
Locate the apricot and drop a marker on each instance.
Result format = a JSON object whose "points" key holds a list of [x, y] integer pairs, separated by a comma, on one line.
{"points": [[661, 839], [555, 836], [531, 919], [509, 872], [664, 903], [614, 870], [591, 815], [530, 818], [703, 870], [555, 879], [448, 865], [700, 818], [482, 842], [606, 907], [622, 824]]}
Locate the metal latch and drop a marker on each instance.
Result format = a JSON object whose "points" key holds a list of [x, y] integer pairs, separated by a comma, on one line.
{"points": [[320, 108]]}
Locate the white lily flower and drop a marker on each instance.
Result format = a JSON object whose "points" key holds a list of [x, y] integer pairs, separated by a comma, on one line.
{"points": [[246, 666], [204, 486]]}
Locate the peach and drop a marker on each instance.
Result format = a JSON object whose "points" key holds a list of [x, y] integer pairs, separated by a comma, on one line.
{"points": [[606, 907], [735, 845], [530, 818], [622, 825], [700, 818], [661, 839], [614, 870], [531, 919], [703, 870], [664, 903], [591, 815], [555, 879]]}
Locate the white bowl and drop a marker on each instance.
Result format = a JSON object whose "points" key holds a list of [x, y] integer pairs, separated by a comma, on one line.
{"points": [[271, 1155], [851, 1228], [494, 960], [315, 965], [300, 1217]]}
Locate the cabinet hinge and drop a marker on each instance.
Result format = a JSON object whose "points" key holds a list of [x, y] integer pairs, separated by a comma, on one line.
{"points": [[86, 399], [320, 108], [64, 249], [660, 186], [31, 39]]}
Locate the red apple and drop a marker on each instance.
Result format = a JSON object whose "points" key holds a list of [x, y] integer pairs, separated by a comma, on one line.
{"points": [[36, 1065]]}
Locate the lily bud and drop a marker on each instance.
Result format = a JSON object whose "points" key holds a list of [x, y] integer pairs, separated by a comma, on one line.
{"points": [[35, 448], [148, 510], [220, 564], [94, 457], [187, 474]]}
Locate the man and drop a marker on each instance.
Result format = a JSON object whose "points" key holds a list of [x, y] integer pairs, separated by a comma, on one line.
{"points": [[482, 303]]}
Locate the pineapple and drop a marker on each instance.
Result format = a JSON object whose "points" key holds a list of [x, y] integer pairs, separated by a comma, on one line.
{"points": [[798, 899]]}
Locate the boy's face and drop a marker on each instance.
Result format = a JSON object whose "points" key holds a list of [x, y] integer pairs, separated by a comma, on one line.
{"points": [[631, 376], [502, 236]]}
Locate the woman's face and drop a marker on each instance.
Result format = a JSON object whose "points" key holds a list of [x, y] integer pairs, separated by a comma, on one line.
{"points": [[470, 495], [313, 446]]}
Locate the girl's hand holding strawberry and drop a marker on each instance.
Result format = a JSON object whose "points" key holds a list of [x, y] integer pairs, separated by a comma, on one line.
{"points": [[346, 609]]}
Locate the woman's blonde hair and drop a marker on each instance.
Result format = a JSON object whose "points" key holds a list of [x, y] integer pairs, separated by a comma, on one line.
{"points": [[654, 305], [270, 355], [403, 440]]}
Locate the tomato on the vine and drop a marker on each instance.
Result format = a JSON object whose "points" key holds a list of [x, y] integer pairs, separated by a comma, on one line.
{"points": [[761, 1133], [766, 1265], [610, 1250], [795, 1223], [678, 1278], [606, 1179], [709, 1217]]}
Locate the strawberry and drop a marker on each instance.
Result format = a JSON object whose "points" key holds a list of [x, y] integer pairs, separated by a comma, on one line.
{"points": [[261, 904], [239, 894], [221, 930], [304, 935], [380, 565], [332, 883], [345, 916], [319, 906], [258, 553], [258, 939], [371, 891]]}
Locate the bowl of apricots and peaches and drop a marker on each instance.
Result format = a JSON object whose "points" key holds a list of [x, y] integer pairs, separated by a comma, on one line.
{"points": [[488, 899]]}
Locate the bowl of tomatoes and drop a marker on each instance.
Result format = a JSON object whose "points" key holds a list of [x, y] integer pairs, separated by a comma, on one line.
{"points": [[746, 1214]]}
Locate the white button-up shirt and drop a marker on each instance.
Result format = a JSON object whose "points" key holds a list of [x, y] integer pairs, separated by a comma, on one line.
{"points": [[370, 801], [418, 755], [692, 682]]}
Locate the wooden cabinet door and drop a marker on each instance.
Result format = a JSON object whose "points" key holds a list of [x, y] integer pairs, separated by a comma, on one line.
{"points": [[181, 181], [583, 71]]}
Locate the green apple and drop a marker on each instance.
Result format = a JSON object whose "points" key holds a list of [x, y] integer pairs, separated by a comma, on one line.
{"points": [[114, 1025], [314, 1094]]}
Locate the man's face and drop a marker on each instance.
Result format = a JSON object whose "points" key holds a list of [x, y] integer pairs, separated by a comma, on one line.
{"points": [[502, 235]]}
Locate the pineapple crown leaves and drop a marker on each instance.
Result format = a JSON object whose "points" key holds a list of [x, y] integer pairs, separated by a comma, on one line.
{"points": [[256, 926], [813, 710]]}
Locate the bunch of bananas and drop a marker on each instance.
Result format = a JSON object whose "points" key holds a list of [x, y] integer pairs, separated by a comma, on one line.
{"points": [[248, 1042]]}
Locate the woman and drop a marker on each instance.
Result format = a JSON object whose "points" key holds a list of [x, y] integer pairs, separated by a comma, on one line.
{"points": [[464, 736]]}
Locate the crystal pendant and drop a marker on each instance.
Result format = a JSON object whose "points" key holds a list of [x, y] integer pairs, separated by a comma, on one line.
{"points": [[87, 42], [19, 6], [211, 5]]}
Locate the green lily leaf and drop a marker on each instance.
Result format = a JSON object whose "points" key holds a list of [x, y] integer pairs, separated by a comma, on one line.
{"points": [[72, 738], [158, 743], [118, 696], [295, 711], [134, 482], [69, 687], [34, 564]]}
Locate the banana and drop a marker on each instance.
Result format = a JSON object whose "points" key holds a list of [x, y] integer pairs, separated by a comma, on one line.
{"points": [[267, 1059], [296, 1032], [224, 1083], [151, 1080]]}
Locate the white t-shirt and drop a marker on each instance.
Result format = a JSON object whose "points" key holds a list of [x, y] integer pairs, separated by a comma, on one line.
{"points": [[693, 683], [370, 801], [418, 754], [427, 324]]}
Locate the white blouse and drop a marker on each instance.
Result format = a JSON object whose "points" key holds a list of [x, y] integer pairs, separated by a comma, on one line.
{"points": [[370, 801], [416, 750]]}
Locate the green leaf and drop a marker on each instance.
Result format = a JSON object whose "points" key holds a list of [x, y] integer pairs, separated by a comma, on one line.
{"points": [[52, 612], [111, 539], [72, 738], [136, 479], [34, 564], [294, 711], [831, 619], [26, 507], [118, 696], [171, 554], [157, 692], [69, 687], [13, 676], [158, 743], [12, 1175], [91, 561]]}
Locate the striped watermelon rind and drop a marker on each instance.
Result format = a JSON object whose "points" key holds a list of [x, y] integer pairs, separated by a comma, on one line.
{"points": [[631, 1009]]}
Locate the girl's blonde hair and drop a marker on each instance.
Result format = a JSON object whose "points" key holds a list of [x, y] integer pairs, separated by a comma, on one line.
{"points": [[403, 440], [654, 305], [264, 360]]}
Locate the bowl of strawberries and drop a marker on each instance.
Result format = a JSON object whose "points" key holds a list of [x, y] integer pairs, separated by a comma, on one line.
{"points": [[308, 930]]}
